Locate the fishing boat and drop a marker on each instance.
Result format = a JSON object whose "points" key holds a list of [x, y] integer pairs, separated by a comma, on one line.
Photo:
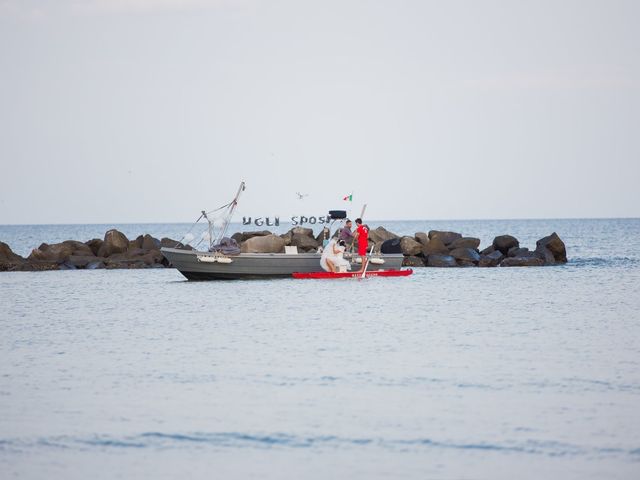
{"points": [[219, 263]]}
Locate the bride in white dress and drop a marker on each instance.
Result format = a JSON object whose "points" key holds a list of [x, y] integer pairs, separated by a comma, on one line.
{"points": [[332, 259]]}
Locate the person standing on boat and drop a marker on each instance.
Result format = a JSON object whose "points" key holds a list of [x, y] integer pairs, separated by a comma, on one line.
{"points": [[345, 233], [362, 236]]}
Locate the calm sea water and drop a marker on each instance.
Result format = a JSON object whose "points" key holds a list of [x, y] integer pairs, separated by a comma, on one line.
{"points": [[448, 374]]}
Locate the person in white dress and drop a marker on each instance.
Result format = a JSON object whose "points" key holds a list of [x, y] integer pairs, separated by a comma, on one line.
{"points": [[332, 259]]}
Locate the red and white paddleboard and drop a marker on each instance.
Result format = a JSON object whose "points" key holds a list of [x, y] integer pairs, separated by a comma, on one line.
{"points": [[372, 273]]}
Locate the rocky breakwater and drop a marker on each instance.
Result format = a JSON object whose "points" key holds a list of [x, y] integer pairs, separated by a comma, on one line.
{"points": [[432, 249], [451, 249], [115, 250]]}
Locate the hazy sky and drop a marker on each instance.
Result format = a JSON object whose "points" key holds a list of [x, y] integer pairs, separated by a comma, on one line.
{"points": [[149, 111]]}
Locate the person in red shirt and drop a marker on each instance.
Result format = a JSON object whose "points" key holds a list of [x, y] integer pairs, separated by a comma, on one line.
{"points": [[362, 237]]}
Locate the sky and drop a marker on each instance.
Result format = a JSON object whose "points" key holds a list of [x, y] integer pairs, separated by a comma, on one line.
{"points": [[131, 111]]}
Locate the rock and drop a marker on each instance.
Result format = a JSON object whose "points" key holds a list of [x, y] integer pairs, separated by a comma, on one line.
{"points": [[79, 248], [7, 255], [466, 263], [491, 259], [237, 237], [519, 252], [446, 237], [465, 242], [441, 261], [465, 255], [56, 253], [543, 253], [170, 243], [287, 237], [67, 266], [40, 266], [81, 261], [489, 250], [263, 244], [302, 231], [153, 257], [435, 247], [522, 262], [505, 242], [120, 260], [304, 243], [244, 236], [422, 237], [413, 261], [9, 260], [134, 252], [410, 247], [94, 245], [114, 242], [137, 243], [555, 245], [150, 243], [380, 234]]}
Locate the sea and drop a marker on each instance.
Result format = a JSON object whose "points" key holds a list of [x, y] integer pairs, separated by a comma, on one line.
{"points": [[465, 373]]}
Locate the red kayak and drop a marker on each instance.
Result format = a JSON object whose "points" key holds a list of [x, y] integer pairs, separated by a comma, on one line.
{"points": [[372, 273]]}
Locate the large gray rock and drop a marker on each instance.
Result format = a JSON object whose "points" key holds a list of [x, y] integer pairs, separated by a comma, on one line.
{"points": [[94, 244], [446, 237], [488, 250], [522, 262], [435, 247], [465, 242], [555, 245], [422, 237], [114, 242], [81, 261], [504, 243], [381, 234], [410, 247], [171, 243], [304, 243], [465, 255], [413, 261], [9, 260], [150, 243], [492, 259], [263, 244], [302, 231], [441, 261], [153, 258], [519, 252], [137, 243], [56, 253], [543, 253], [78, 248], [240, 237]]}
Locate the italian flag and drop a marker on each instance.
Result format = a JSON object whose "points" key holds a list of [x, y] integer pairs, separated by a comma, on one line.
{"points": [[348, 198]]}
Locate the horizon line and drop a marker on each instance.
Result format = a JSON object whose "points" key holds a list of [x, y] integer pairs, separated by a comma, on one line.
{"points": [[373, 220]]}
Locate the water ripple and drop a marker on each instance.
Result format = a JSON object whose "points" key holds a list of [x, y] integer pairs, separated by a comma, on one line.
{"points": [[160, 440]]}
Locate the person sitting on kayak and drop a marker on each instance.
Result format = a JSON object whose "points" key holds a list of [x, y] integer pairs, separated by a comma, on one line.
{"points": [[332, 259], [362, 237]]}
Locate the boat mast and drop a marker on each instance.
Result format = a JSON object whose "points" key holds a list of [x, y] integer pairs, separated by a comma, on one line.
{"points": [[233, 205]]}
